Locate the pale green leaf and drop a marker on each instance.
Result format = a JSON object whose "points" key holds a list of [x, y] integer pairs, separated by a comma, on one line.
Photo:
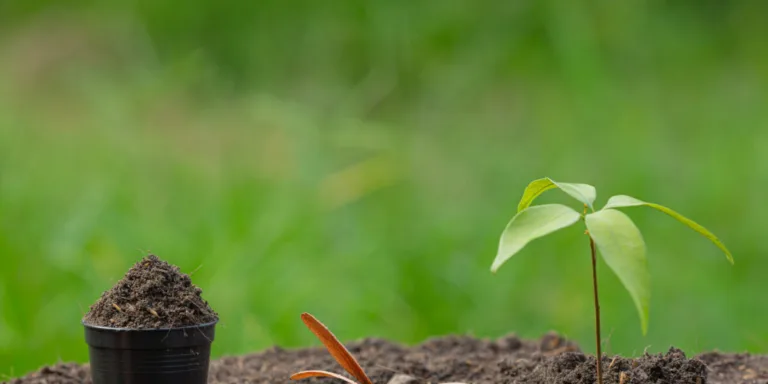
{"points": [[627, 201], [533, 190], [584, 193], [530, 224], [622, 247]]}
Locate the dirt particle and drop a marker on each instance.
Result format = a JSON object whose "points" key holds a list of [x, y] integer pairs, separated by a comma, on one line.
{"points": [[402, 379], [152, 294], [623, 378]]}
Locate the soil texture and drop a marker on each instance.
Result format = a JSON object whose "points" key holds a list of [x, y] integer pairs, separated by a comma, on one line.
{"points": [[152, 294], [736, 368], [63, 373], [507, 360]]}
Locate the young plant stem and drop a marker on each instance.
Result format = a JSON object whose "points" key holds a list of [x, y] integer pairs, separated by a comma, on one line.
{"points": [[597, 312]]}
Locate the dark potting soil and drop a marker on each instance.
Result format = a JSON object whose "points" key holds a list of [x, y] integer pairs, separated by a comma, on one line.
{"points": [[508, 360], [152, 294]]}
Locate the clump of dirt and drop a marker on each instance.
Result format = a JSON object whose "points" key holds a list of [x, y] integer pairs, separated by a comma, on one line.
{"points": [[152, 294], [507, 360], [577, 368]]}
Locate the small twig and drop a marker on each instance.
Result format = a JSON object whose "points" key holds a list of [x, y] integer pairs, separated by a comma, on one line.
{"points": [[169, 332], [195, 270], [607, 342], [623, 377], [198, 328], [557, 351], [10, 376], [612, 361], [193, 303], [117, 307], [645, 350]]}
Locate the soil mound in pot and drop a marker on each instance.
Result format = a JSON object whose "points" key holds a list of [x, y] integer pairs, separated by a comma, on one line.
{"points": [[152, 294], [507, 360]]}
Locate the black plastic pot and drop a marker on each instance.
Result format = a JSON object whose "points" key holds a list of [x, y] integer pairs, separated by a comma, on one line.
{"points": [[150, 356]]}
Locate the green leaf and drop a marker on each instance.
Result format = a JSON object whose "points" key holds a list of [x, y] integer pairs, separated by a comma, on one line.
{"points": [[533, 190], [530, 224], [627, 201], [622, 247], [584, 193]]}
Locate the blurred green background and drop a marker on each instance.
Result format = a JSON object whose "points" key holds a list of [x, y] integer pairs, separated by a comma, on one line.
{"points": [[359, 160]]}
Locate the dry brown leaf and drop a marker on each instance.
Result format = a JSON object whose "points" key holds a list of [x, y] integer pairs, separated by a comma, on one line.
{"points": [[307, 374], [335, 348]]}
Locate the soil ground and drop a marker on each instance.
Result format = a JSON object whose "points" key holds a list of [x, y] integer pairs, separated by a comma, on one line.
{"points": [[152, 294], [507, 360]]}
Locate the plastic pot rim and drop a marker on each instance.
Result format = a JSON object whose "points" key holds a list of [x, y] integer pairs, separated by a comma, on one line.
{"points": [[114, 329]]}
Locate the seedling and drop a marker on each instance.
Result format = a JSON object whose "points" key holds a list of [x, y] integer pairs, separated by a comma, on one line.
{"points": [[609, 230], [337, 350], [339, 353]]}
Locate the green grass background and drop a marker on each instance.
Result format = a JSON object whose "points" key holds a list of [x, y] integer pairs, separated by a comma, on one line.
{"points": [[358, 160]]}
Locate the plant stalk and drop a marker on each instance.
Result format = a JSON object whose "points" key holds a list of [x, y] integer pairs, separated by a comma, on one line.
{"points": [[597, 313]]}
